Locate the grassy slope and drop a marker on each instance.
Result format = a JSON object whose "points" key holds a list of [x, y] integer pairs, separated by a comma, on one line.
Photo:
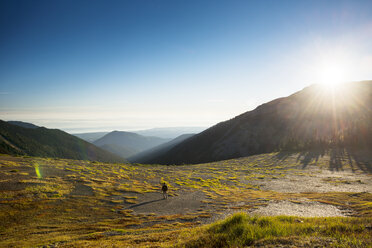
{"points": [[241, 230], [45, 142], [73, 203]]}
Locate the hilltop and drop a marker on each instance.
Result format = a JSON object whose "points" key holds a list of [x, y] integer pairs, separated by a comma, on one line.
{"points": [[126, 144], [23, 124]]}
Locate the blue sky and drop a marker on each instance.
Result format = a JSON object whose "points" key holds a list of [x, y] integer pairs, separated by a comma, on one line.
{"points": [[104, 65]]}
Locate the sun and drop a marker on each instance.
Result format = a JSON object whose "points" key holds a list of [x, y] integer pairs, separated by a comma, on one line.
{"points": [[332, 75], [333, 71]]}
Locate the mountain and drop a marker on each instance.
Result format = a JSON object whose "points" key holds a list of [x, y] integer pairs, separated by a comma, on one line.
{"points": [[169, 132], [163, 132], [90, 137], [122, 143], [313, 118], [23, 124], [148, 155], [43, 142], [124, 152]]}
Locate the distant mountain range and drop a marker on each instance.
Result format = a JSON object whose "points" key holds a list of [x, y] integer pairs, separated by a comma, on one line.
{"points": [[148, 155], [313, 118], [163, 132], [170, 132], [90, 137], [19, 138], [126, 144]]}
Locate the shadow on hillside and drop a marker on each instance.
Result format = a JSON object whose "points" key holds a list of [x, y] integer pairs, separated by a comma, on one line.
{"points": [[339, 158], [145, 203]]}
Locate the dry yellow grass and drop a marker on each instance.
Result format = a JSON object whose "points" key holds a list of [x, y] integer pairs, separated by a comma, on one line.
{"points": [[76, 203]]}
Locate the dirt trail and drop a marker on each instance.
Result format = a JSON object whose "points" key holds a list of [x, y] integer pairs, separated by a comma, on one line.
{"points": [[183, 203]]}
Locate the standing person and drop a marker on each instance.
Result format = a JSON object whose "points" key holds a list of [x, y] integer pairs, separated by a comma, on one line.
{"points": [[164, 189]]}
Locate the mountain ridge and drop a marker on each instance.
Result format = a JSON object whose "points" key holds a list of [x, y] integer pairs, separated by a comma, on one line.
{"points": [[126, 144], [90, 136], [169, 132], [304, 119], [23, 124], [44, 142], [147, 155]]}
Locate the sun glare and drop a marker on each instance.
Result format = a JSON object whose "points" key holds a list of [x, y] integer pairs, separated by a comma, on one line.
{"points": [[333, 71], [332, 75]]}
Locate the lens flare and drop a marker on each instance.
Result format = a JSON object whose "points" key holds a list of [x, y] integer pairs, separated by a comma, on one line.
{"points": [[37, 170]]}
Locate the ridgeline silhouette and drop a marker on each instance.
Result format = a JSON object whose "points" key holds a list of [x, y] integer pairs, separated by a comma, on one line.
{"points": [[313, 118], [44, 142]]}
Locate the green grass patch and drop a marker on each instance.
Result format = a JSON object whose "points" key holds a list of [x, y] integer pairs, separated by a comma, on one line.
{"points": [[241, 230]]}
